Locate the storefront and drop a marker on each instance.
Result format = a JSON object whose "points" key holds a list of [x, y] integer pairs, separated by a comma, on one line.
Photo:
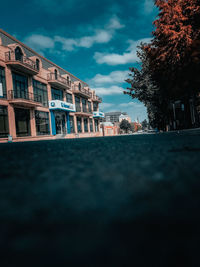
{"points": [[60, 119]]}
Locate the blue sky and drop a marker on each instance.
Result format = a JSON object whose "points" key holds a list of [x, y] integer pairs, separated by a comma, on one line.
{"points": [[94, 40]]}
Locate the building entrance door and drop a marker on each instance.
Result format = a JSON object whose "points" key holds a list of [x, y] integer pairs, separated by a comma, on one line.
{"points": [[22, 121], [60, 120]]}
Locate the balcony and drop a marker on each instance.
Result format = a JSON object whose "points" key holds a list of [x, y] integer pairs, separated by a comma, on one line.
{"points": [[82, 92], [84, 111], [96, 98], [58, 81], [24, 98], [22, 64]]}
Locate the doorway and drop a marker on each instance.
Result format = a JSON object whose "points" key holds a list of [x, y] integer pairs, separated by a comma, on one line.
{"points": [[22, 122], [60, 120]]}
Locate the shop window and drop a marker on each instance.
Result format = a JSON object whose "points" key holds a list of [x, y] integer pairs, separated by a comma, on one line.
{"points": [[96, 122], [71, 120], [42, 122], [3, 93], [56, 94], [86, 125], [40, 92], [91, 125], [79, 126], [22, 122], [4, 131]]}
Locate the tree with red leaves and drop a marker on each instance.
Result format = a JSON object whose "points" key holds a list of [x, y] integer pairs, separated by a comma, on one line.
{"points": [[173, 55]]}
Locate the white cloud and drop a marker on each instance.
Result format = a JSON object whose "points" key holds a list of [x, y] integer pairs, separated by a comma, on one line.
{"points": [[129, 56], [39, 42], [112, 90], [99, 36], [114, 77]]}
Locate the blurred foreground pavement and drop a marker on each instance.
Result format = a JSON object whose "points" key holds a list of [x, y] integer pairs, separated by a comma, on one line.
{"points": [[113, 201]]}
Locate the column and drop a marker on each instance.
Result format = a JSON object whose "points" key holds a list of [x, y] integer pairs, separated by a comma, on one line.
{"points": [[82, 124], [75, 125], [93, 125], [9, 81], [32, 122], [11, 121], [53, 123], [88, 125], [68, 123]]}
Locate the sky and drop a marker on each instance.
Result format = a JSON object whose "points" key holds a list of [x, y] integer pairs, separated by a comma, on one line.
{"points": [[94, 40]]}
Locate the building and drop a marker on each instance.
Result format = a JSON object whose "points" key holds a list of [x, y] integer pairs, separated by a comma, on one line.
{"points": [[109, 129], [124, 117], [39, 99], [113, 116]]}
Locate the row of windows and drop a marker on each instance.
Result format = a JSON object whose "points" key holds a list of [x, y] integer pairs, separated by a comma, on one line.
{"points": [[20, 87], [22, 119], [85, 123]]}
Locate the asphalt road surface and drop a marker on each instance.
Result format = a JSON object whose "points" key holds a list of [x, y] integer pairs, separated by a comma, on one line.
{"points": [[112, 201]]}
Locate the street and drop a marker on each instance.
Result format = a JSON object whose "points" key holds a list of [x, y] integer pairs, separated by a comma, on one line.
{"points": [[112, 201]]}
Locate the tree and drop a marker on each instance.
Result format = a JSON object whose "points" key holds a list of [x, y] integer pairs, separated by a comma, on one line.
{"points": [[170, 63], [144, 124], [125, 125]]}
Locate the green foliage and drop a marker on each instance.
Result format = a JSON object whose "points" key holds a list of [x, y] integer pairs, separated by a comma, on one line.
{"points": [[125, 125]]}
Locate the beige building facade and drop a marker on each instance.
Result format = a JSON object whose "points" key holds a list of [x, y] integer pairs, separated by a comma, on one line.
{"points": [[40, 100]]}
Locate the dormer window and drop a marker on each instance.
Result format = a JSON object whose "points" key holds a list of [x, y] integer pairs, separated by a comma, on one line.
{"points": [[56, 74], [18, 54], [37, 64]]}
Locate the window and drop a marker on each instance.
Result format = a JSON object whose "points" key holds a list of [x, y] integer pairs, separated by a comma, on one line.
{"points": [[89, 107], [77, 102], [37, 64], [40, 92], [22, 122], [79, 86], [4, 131], [86, 125], [56, 74], [91, 125], [84, 105], [71, 120], [3, 93], [95, 106], [56, 94], [69, 98], [67, 79], [42, 122], [79, 126], [20, 86], [18, 54], [96, 122]]}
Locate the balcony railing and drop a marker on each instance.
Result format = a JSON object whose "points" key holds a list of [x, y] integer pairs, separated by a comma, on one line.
{"points": [[58, 78], [97, 98], [24, 95], [83, 91], [10, 57]]}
